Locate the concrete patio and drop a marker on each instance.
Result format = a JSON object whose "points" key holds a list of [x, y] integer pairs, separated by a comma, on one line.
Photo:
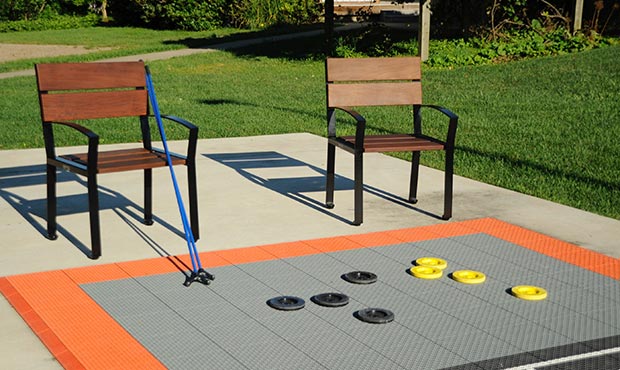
{"points": [[252, 191]]}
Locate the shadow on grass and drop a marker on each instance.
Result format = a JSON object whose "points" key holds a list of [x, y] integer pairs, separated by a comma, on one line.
{"points": [[309, 42], [292, 42]]}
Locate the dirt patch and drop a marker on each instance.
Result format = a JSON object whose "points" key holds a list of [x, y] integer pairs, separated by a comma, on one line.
{"points": [[9, 52]]}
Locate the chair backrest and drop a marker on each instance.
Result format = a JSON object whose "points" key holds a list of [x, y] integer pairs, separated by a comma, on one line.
{"points": [[75, 91], [355, 82]]}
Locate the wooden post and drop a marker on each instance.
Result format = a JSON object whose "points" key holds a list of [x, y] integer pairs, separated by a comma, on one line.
{"points": [[424, 29], [578, 15]]}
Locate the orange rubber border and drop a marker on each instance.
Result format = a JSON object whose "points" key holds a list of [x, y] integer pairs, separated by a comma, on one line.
{"points": [[81, 335]]}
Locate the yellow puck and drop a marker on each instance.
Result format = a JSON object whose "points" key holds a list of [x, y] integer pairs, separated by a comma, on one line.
{"points": [[469, 277], [529, 292], [432, 262], [426, 272]]}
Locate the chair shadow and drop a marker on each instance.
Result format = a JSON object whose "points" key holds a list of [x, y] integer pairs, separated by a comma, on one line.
{"points": [[174, 260], [34, 211], [295, 187]]}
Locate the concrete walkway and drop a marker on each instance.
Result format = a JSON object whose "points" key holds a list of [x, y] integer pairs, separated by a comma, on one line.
{"points": [[252, 191]]}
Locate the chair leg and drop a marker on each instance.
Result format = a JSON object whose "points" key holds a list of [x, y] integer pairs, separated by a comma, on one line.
{"points": [[51, 203], [413, 182], [448, 185], [359, 189], [193, 200], [93, 210], [329, 185], [148, 196]]}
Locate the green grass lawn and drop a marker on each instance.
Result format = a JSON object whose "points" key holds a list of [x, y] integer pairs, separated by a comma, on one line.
{"points": [[121, 41], [548, 127]]}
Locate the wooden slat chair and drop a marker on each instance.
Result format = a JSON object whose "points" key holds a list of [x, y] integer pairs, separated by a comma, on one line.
{"points": [[70, 92], [360, 82]]}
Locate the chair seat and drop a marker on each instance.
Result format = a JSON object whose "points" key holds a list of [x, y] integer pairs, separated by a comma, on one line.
{"points": [[396, 143], [126, 160]]}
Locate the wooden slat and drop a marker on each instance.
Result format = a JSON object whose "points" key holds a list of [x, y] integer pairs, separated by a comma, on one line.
{"points": [[79, 76], [126, 160], [89, 105], [373, 69], [374, 94], [396, 143], [355, 7]]}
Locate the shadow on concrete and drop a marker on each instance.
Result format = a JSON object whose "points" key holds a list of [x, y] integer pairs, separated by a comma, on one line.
{"points": [[249, 164], [34, 211]]}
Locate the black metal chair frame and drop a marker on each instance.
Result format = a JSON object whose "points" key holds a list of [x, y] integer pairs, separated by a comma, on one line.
{"points": [[361, 143], [91, 164]]}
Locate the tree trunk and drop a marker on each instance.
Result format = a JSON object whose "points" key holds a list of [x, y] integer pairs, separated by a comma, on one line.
{"points": [[104, 10]]}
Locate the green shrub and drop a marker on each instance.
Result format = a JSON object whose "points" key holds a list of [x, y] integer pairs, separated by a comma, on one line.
{"points": [[58, 22], [378, 40], [189, 15], [265, 13], [16, 10], [28, 10]]}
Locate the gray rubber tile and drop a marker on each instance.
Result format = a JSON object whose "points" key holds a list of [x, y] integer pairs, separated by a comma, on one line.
{"points": [[425, 355], [437, 323], [580, 328], [609, 315]]}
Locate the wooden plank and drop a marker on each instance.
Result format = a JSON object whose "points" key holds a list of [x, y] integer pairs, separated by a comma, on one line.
{"points": [[373, 69], [425, 29], [89, 105], [374, 94], [578, 15], [352, 7], [80, 76], [386, 143], [126, 160]]}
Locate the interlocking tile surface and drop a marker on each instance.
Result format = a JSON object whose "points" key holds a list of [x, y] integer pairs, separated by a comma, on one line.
{"points": [[139, 315]]}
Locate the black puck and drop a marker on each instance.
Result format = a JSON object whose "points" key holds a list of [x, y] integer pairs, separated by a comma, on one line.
{"points": [[375, 315], [331, 299], [360, 277], [286, 303]]}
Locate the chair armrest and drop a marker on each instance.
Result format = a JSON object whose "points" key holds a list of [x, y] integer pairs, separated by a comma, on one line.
{"points": [[353, 113], [181, 121], [450, 137], [193, 135], [443, 110], [360, 128], [93, 141]]}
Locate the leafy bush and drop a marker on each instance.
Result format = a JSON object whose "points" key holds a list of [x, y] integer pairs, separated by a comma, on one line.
{"points": [[15, 10], [516, 45], [28, 10], [378, 40], [58, 22], [464, 18], [190, 15], [265, 13]]}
